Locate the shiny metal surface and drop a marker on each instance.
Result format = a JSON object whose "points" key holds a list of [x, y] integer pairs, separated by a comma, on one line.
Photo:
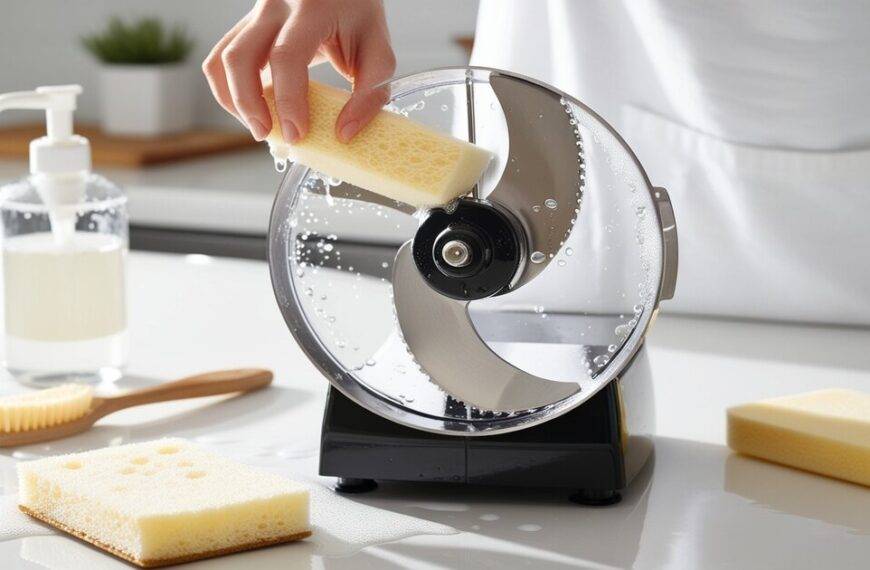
{"points": [[351, 192], [446, 345], [670, 252], [543, 180], [456, 253]]}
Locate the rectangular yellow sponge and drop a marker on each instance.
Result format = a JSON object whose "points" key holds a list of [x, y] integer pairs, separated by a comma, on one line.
{"points": [[163, 502], [826, 432], [392, 156]]}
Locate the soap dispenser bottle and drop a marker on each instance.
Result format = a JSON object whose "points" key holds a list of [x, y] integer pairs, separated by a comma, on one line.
{"points": [[64, 249]]}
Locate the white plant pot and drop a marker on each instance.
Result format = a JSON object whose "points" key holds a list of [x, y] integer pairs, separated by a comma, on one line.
{"points": [[146, 100]]}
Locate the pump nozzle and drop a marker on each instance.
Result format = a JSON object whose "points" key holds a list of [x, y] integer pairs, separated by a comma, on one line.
{"points": [[58, 101], [60, 161], [60, 151]]}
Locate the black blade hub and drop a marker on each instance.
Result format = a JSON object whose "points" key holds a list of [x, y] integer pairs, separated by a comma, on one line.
{"points": [[471, 252]]}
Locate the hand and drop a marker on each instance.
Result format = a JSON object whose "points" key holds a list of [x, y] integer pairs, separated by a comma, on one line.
{"points": [[289, 36]]}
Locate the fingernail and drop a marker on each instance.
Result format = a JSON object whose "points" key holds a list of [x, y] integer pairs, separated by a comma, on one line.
{"points": [[291, 135], [257, 129], [348, 131]]}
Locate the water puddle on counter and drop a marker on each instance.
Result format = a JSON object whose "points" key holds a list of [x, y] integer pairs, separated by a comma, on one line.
{"points": [[343, 527]]}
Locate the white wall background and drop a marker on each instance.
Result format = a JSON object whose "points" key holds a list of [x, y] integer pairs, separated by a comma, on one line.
{"points": [[39, 41]]}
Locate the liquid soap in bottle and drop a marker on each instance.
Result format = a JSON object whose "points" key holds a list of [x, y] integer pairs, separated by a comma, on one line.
{"points": [[64, 248]]}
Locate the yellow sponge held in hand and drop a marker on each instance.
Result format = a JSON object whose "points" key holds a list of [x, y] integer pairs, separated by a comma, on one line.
{"points": [[392, 156]]}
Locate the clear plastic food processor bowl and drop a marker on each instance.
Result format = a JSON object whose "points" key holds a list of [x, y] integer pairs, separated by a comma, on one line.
{"points": [[570, 324]]}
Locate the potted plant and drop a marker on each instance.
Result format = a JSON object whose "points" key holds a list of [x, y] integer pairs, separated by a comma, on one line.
{"points": [[145, 87]]}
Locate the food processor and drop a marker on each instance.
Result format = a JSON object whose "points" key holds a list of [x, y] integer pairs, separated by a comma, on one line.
{"points": [[499, 339]]}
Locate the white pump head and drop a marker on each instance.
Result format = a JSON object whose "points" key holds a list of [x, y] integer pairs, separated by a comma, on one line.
{"points": [[60, 161], [60, 151]]}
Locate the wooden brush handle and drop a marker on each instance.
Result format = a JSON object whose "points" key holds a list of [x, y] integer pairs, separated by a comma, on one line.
{"points": [[208, 384]]}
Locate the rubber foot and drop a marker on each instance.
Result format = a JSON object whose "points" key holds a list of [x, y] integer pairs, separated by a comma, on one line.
{"points": [[353, 486], [595, 497]]}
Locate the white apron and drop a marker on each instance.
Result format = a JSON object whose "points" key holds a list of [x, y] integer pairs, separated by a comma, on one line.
{"points": [[756, 118]]}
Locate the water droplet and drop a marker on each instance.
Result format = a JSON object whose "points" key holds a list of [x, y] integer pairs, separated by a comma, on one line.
{"points": [[611, 348], [280, 164], [551, 203], [537, 257], [385, 265], [340, 343], [562, 263], [370, 362], [536, 208], [622, 331], [328, 247], [638, 309], [601, 360], [569, 251], [443, 107], [530, 527], [309, 291], [539, 308]]}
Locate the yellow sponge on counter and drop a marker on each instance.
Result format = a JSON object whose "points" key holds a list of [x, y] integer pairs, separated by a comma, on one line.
{"points": [[826, 432], [163, 502], [392, 156]]}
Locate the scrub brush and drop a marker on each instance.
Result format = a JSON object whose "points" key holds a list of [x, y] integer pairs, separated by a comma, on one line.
{"points": [[66, 410], [46, 408]]}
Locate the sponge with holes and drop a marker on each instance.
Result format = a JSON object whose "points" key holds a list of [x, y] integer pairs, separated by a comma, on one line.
{"points": [[392, 156], [163, 502]]}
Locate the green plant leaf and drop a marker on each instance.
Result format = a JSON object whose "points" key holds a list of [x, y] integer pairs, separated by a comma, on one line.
{"points": [[146, 41]]}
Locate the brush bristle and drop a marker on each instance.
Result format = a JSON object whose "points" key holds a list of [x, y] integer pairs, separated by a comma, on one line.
{"points": [[46, 408]]}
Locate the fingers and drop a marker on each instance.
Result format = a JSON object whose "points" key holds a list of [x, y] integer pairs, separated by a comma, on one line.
{"points": [[376, 64], [244, 57], [295, 48], [213, 68]]}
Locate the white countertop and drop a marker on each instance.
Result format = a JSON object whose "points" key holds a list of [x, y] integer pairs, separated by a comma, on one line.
{"points": [[699, 506]]}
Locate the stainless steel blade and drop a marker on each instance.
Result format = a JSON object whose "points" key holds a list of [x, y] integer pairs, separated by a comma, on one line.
{"points": [[351, 192], [542, 180], [444, 342]]}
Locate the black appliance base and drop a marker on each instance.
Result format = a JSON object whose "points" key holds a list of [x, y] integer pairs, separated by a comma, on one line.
{"points": [[582, 450]]}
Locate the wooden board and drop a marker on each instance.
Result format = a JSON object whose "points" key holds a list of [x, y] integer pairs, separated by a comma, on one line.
{"points": [[110, 150]]}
